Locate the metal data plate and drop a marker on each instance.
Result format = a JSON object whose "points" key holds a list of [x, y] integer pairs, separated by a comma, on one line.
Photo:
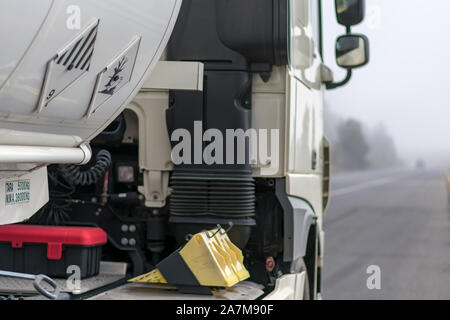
{"points": [[17, 192], [110, 272], [21, 194]]}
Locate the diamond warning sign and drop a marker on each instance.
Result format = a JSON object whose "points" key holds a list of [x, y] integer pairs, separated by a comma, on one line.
{"points": [[115, 76], [69, 64]]}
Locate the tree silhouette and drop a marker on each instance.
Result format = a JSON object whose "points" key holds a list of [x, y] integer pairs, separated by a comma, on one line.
{"points": [[352, 148], [382, 153]]}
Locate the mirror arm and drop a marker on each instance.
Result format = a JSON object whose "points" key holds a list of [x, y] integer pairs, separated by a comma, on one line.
{"points": [[320, 29], [348, 29], [334, 85]]}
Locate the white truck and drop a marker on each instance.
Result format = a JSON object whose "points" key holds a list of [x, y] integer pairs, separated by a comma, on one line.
{"points": [[155, 120]]}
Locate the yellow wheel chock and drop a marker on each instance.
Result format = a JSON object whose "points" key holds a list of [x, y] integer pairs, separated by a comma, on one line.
{"points": [[209, 259]]}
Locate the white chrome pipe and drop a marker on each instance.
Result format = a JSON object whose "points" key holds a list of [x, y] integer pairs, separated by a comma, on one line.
{"points": [[23, 138], [47, 155]]}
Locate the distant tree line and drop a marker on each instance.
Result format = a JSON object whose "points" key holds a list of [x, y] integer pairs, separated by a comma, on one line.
{"points": [[357, 147]]}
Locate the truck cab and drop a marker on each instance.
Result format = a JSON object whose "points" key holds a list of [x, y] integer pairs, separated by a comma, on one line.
{"points": [[227, 130]]}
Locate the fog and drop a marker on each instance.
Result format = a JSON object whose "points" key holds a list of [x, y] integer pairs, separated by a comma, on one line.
{"points": [[406, 86]]}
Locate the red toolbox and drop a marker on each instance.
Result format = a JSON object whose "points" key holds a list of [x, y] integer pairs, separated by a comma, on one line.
{"points": [[51, 250]]}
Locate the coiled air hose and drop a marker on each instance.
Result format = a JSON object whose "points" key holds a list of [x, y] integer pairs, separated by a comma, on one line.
{"points": [[76, 176]]}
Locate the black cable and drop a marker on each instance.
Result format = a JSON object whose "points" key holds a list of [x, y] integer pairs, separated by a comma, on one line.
{"points": [[57, 210], [78, 177], [63, 180]]}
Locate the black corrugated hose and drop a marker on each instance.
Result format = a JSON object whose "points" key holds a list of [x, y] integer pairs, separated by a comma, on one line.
{"points": [[63, 180], [78, 177]]}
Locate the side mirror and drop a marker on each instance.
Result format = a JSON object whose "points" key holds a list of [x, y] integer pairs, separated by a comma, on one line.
{"points": [[352, 51], [350, 12]]}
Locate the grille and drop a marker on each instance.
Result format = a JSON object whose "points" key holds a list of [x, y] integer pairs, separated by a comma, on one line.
{"points": [[222, 195]]}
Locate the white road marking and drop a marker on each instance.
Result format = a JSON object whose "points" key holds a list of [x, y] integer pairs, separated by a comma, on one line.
{"points": [[362, 186]]}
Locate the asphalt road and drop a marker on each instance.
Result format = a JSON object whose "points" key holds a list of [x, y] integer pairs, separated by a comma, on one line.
{"points": [[397, 220]]}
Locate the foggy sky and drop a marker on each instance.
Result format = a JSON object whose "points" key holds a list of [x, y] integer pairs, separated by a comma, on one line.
{"points": [[407, 83]]}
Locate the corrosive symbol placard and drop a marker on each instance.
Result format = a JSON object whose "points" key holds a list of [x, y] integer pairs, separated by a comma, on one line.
{"points": [[115, 76]]}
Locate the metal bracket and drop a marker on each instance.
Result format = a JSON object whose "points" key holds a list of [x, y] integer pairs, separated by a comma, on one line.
{"points": [[174, 75], [334, 85], [156, 188]]}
